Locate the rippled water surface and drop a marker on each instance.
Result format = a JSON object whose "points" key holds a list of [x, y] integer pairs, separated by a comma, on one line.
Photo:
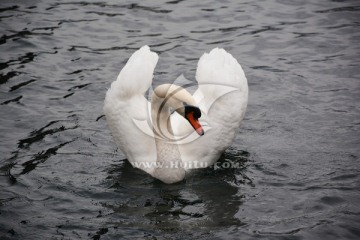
{"points": [[62, 177]]}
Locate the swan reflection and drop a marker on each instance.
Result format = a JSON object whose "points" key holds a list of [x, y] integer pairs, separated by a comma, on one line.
{"points": [[206, 199]]}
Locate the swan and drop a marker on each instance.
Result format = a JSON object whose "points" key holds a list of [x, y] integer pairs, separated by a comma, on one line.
{"points": [[210, 117]]}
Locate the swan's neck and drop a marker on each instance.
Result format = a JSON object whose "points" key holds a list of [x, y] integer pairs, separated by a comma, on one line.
{"points": [[169, 167], [160, 115]]}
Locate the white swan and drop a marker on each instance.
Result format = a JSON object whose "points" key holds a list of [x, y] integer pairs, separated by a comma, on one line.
{"points": [[220, 100]]}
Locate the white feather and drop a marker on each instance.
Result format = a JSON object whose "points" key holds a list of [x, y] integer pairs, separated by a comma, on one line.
{"points": [[222, 96], [125, 102]]}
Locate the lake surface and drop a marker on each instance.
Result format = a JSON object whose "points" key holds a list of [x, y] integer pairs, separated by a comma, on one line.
{"points": [[62, 176]]}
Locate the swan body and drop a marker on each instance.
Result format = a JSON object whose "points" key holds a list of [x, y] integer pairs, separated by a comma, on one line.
{"points": [[219, 103]]}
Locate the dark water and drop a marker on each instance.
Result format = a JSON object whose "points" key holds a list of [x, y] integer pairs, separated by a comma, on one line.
{"points": [[62, 177]]}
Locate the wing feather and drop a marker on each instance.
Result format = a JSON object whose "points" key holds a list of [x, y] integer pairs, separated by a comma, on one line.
{"points": [[222, 96], [125, 103]]}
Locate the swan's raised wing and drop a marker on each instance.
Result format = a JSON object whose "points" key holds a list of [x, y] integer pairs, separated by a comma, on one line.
{"points": [[125, 103], [222, 97]]}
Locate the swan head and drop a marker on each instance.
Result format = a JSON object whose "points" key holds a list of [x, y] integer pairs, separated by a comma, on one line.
{"points": [[192, 114], [177, 99]]}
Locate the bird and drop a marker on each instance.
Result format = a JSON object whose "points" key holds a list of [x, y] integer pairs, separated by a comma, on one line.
{"points": [[175, 131]]}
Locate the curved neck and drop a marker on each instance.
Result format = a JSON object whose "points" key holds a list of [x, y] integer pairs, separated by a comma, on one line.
{"points": [[160, 116], [169, 168]]}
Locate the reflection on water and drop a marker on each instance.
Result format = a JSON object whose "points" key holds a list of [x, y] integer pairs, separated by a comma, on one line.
{"points": [[195, 205], [62, 177]]}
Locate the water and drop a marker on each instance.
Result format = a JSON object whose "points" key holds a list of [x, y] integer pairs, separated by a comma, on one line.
{"points": [[62, 177]]}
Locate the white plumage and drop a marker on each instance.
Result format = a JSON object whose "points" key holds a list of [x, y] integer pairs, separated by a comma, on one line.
{"points": [[222, 97]]}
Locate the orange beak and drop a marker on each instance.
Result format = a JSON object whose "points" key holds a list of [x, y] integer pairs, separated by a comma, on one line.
{"points": [[195, 123]]}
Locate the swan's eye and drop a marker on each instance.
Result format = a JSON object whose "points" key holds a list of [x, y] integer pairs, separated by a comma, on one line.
{"points": [[192, 114], [196, 111]]}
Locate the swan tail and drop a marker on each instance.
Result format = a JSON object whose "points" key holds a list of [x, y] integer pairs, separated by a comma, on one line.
{"points": [[136, 76], [219, 68]]}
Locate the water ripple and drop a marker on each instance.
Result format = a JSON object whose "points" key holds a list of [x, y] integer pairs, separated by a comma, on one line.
{"points": [[39, 134], [41, 157], [296, 154]]}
